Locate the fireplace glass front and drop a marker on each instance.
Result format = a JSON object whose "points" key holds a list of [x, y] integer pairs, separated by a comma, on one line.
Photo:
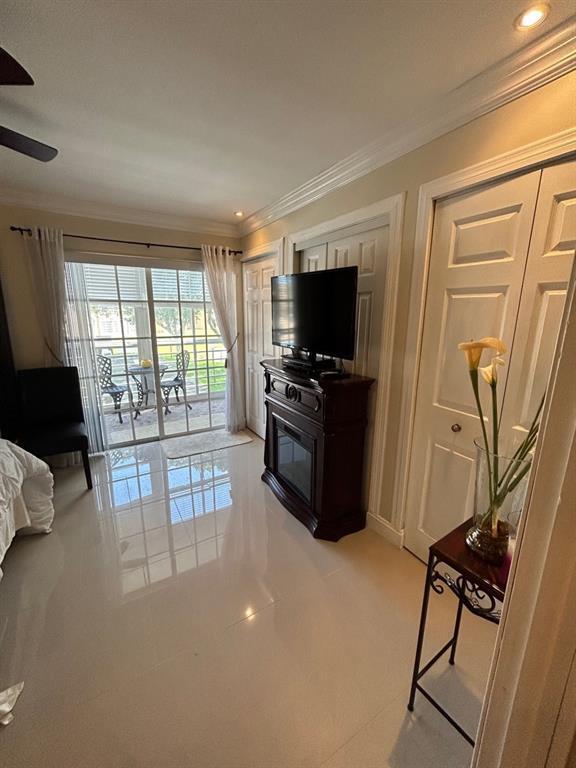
{"points": [[294, 452]]}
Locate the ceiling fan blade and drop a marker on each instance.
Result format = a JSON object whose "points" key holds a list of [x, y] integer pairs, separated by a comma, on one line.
{"points": [[25, 145], [11, 72]]}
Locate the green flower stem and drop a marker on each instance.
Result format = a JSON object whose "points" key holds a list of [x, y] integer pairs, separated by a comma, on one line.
{"points": [[523, 448], [514, 482], [517, 458], [495, 457], [522, 464], [474, 380], [488, 515]]}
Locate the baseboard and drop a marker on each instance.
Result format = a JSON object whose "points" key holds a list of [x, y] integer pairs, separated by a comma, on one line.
{"points": [[252, 432], [384, 528]]}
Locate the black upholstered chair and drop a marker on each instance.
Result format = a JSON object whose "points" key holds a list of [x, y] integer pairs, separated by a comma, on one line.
{"points": [[178, 382], [51, 416]]}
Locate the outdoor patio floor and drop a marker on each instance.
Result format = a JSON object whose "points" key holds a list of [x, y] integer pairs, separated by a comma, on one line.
{"points": [[146, 424]]}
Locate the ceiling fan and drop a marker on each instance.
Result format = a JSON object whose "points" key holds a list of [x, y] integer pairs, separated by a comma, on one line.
{"points": [[13, 73]]}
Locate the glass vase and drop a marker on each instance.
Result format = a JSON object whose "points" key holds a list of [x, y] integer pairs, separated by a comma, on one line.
{"points": [[497, 513]]}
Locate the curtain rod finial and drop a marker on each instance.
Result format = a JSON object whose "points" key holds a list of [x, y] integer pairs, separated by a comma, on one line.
{"points": [[21, 230]]}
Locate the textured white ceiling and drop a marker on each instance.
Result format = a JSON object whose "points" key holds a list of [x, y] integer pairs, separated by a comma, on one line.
{"points": [[199, 108]]}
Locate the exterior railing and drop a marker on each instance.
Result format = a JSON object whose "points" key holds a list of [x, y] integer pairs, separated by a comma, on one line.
{"points": [[206, 372]]}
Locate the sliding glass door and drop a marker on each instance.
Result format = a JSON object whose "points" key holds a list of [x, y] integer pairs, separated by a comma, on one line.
{"points": [[189, 347], [121, 338], [157, 356]]}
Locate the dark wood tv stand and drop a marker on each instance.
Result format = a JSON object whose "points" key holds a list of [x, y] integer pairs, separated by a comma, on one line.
{"points": [[315, 430]]}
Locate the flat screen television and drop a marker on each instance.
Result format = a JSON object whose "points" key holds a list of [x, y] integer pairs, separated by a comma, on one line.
{"points": [[315, 312]]}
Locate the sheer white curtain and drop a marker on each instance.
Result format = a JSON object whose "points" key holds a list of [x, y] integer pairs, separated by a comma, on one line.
{"points": [[63, 315], [46, 263], [221, 275], [80, 352]]}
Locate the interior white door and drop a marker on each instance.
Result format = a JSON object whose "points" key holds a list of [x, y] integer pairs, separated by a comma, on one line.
{"points": [[477, 262], [256, 277], [368, 251], [548, 270]]}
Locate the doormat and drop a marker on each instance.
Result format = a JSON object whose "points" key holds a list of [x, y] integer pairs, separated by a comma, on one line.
{"points": [[216, 440]]}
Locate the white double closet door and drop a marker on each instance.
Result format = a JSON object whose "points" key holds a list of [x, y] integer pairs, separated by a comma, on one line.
{"points": [[500, 262], [366, 249], [359, 245]]}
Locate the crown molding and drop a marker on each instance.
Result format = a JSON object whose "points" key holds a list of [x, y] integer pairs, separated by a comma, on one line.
{"points": [[273, 248], [71, 207], [538, 63]]}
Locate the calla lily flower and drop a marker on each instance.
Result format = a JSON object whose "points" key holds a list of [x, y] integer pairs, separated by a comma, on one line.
{"points": [[501, 480], [491, 342], [473, 349], [490, 372]]}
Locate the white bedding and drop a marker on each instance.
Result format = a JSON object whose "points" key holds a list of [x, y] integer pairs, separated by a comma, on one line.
{"points": [[26, 490]]}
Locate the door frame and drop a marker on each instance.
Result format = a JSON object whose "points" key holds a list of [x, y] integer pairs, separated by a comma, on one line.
{"points": [[537, 579], [557, 147], [146, 262], [527, 715], [271, 249], [386, 212]]}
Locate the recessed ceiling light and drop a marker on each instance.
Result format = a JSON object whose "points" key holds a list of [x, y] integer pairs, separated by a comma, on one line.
{"points": [[239, 213], [532, 16]]}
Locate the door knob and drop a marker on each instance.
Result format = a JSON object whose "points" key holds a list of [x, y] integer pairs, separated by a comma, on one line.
{"points": [[456, 428]]}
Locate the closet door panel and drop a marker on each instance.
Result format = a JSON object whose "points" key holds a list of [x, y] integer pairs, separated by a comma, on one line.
{"points": [[465, 311], [269, 270], [548, 270], [342, 253], [313, 259], [367, 250], [478, 256]]}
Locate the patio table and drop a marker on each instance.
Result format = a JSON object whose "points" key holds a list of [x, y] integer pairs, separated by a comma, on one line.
{"points": [[146, 376]]}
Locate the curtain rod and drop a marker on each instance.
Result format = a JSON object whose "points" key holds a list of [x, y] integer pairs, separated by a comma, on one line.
{"points": [[28, 231]]}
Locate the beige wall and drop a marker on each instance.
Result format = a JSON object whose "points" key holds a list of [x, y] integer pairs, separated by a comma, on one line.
{"points": [[539, 114], [535, 116], [25, 333]]}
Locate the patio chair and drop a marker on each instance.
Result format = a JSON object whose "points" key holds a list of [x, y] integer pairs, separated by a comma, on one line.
{"points": [[178, 382], [108, 387], [142, 395], [51, 415]]}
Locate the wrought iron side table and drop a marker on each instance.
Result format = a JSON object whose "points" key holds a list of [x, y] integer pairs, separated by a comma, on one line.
{"points": [[479, 587]]}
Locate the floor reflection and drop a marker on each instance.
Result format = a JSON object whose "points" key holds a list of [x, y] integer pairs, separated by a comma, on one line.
{"points": [[154, 588], [169, 517]]}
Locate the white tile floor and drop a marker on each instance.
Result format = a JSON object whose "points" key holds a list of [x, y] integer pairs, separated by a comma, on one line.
{"points": [[179, 617]]}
